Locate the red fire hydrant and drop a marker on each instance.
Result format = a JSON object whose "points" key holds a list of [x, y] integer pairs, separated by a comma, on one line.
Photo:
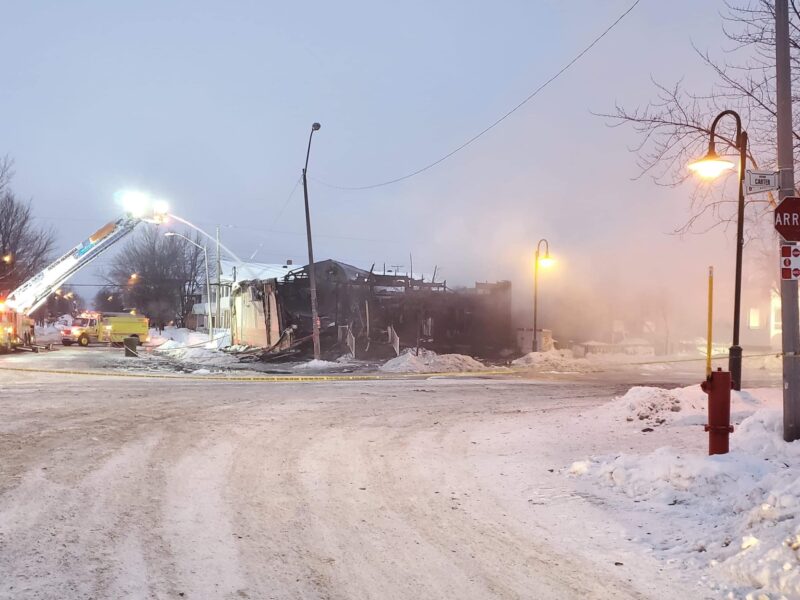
{"points": [[719, 428]]}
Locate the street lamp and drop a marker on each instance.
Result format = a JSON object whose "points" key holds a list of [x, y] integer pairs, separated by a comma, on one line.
{"points": [[546, 262], [208, 279], [709, 167], [312, 280]]}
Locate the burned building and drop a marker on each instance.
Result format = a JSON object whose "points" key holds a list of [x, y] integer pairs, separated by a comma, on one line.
{"points": [[370, 314]]}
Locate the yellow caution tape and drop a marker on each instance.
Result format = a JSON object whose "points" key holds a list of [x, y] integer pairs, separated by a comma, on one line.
{"points": [[262, 378], [506, 371]]}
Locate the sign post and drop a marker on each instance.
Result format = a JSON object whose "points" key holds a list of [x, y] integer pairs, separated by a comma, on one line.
{"points": [[790, 319]]}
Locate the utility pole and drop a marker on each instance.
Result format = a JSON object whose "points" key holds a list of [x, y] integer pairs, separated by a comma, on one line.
{"points": [[219, 286], [312, 278], [790, 320]]}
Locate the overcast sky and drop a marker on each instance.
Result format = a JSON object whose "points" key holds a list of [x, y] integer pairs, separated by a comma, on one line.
{"points": [[209, 105]]}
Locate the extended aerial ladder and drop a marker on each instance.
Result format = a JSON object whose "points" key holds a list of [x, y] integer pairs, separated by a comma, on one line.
{"points": [[16, 328], [31, 294]]}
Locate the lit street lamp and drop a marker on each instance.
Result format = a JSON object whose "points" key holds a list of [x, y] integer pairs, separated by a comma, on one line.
{"points": [[709, 167], [546, 262], [208, 279], [312, 280]]}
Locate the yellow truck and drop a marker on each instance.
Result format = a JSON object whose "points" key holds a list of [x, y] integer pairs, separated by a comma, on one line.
{"points": [[105, 328]]}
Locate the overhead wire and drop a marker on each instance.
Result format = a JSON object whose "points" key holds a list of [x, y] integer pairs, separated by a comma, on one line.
{"points": [[494, 124], [285, 204]]}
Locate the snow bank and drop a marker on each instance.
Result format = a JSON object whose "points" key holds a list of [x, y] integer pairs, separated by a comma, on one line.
{"points": [[656, 406], [561, 361], [48, 334], [316, 365], [51, 332], [738, 514], [429, 362], [564, 361], [184, 345], [687, 406], [196, 356], [187, 337]]}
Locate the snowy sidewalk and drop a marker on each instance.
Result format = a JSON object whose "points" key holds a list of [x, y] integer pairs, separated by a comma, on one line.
{"points": [[731, 520]]}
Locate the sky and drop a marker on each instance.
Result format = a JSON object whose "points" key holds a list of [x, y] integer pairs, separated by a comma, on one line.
{"points": [[209, 105]]}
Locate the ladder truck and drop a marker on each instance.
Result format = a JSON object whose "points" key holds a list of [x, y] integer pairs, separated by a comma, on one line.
{"points": [[16, 326]]}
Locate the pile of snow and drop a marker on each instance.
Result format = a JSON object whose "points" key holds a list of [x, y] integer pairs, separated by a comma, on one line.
{"points": [[192, 347], [187, 337], [48, 334], [427, 361], [51, 332], [63, 321], [196, 356], [737, 514], [316, 365], [686, 406], [561, 361], [656, 406]]}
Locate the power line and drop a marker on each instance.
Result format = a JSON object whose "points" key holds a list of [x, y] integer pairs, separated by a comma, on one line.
{"points": [[263, 232], [495, 123], [285, 204]]}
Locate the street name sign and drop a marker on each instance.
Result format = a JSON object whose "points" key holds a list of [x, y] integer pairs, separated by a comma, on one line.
{"points": [[757, 182], [787, 219], [790, 262]]}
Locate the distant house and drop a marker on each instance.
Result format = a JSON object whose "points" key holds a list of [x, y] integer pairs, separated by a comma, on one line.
{"points": [[761, 319]]}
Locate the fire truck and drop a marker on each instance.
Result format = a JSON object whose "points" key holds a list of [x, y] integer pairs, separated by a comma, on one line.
{"points": [[15, 329], [109, 327], [16, 326]]}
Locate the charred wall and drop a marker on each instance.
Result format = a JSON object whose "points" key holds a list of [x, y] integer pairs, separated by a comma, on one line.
{"points": [[474, 321]]}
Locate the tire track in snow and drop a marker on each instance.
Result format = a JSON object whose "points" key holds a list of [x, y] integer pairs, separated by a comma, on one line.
{"points": [[197, 526]]}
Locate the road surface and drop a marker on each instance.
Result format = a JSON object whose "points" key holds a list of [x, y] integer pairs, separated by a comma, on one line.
{"points": [[437, 488]]}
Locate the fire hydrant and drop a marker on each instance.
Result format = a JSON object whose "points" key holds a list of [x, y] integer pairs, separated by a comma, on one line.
{"points": [[719, 428]]}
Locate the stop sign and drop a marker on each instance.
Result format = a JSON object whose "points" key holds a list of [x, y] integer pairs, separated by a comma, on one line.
{"points": [[787, 219]]}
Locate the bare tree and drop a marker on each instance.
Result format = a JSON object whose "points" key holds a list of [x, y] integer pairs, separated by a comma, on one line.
{"points": [[674, 127], [158, 275], [66, 301], [107, 300], [24, 248]]}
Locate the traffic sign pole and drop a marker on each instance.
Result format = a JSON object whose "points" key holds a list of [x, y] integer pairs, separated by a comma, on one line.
{"points": [[790, 319]]}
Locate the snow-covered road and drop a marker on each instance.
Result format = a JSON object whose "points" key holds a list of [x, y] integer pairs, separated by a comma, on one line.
{"points": [[441, 488]]}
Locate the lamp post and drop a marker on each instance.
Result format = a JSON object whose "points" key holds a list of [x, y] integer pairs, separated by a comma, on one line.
{"points": [[312, 280], [208, 279], [546, 262], [711, 166]]}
